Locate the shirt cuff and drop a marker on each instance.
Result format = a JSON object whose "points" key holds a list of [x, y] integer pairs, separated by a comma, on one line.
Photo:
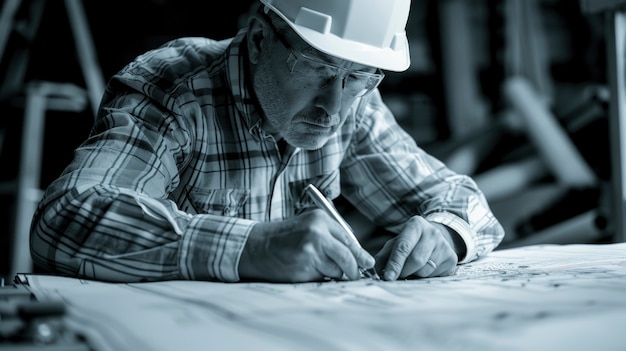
{"points": [[461, 228], [211, 247]]}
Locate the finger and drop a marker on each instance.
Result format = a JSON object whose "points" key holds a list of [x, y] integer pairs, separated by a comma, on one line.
{"points": [[403, 247], [363, 258], [431, 256], [447, 266], [418, 260], [427, 238], [329, 269], [441, 262], [383, 255], [428, 269], [452, 263], [446, 258], [343, 258]]}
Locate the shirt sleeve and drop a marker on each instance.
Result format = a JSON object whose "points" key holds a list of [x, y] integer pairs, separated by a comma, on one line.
{"points": [[108, 216], [390, 179]]}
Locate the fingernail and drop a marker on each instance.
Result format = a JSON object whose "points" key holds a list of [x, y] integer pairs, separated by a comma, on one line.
{"points": [[390, 275]]}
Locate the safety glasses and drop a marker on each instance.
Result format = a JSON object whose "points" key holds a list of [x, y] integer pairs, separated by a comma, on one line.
{"points": [[314, 73]]}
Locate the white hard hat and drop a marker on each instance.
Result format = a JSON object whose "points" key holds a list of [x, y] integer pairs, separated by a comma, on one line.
{"points": [[368, 32]]}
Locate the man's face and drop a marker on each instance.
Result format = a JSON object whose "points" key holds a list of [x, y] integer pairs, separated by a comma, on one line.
{"points": [[305, 117]]}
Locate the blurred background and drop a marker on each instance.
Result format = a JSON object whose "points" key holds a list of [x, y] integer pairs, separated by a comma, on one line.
{"points": [[512, 92]]}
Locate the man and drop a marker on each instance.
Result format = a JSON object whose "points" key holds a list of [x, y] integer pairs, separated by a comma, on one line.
{"points": [[197, 164]]}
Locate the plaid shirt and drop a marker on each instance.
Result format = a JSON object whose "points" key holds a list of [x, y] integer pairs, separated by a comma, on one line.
{"points": [[178, 169]]}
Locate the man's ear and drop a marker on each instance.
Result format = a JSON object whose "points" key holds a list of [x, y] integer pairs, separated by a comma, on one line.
{"points": [[258, 38]]}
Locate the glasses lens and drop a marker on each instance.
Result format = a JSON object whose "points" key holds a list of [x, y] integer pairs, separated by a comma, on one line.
{"points": [[310, 73], [314, 74], [359, 83]]}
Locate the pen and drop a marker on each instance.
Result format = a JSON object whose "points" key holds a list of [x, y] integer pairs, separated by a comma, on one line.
{"points": [[322, 202]]}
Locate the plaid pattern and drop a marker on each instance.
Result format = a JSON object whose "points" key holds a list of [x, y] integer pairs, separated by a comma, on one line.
{"points": [[177, 170]]}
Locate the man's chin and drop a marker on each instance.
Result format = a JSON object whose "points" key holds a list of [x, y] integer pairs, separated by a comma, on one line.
{"points": [[309, 143]]}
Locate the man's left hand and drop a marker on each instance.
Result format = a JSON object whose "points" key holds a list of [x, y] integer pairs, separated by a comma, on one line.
{"points": [[422, 249]]}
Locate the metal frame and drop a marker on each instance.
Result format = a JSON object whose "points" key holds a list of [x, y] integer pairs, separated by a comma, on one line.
{"points": [[615, 12]]}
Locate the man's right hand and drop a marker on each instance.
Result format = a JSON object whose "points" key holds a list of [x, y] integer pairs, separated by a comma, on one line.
{"points": [[309, 247]]}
